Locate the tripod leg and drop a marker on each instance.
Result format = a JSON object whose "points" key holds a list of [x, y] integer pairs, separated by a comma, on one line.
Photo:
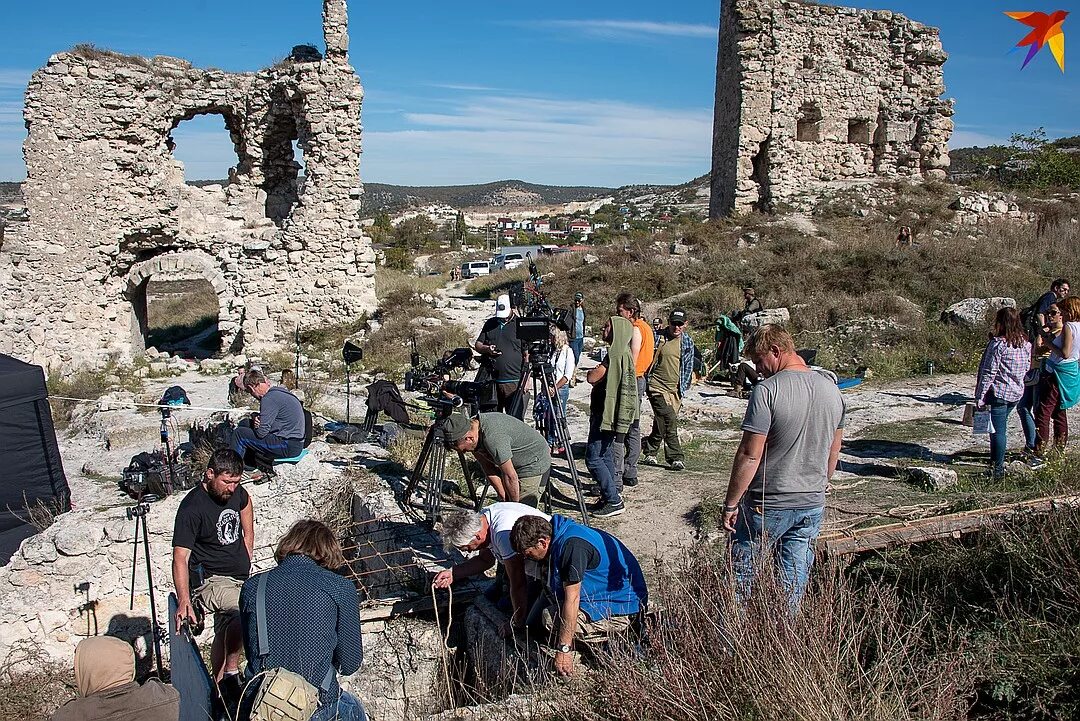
{"points": [[438, 470], [155, 629], [134, 561], [562, 432], [421, 462], [467, 474]]}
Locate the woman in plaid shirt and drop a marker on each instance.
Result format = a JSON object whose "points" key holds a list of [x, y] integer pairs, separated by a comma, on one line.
{"points": [[1000, 385]]}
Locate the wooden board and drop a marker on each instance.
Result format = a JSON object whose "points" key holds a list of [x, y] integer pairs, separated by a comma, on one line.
{"points": [[839, 543]]}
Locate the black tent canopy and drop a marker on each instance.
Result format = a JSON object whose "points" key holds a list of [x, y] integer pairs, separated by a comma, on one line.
{"points": [[30, 468]]}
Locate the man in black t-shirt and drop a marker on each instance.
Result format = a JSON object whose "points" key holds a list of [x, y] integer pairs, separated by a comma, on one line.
{"points": [[213, 540], [504, 355]]}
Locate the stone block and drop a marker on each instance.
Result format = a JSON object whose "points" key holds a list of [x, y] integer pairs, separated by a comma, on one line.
{"points": [[975, 312], [78, 539], [934, 479]]}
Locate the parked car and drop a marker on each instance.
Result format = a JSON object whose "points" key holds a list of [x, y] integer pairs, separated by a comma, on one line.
{"points": [[475, 268], [507, 261]]}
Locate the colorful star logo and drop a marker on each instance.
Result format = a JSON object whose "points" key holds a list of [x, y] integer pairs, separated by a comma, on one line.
{"points": [[1047, 31]]}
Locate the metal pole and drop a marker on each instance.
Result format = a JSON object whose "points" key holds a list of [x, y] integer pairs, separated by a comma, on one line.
{"points": [[155, 630]]}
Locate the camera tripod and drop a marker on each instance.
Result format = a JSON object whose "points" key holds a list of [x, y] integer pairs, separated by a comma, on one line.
{"points": [[138, 513], [543, 378], [429, 473]]}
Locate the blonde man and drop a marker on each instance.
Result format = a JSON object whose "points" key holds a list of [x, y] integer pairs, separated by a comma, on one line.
{"points": [[792, 432]]}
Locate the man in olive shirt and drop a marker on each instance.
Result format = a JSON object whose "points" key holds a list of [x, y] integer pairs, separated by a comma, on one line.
{"points": [[667, 381], [516, 459]]}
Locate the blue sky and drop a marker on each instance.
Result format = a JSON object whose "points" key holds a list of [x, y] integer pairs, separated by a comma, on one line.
{"points": [[598, 93]]}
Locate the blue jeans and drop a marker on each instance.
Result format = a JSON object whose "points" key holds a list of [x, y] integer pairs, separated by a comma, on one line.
{"points": [[577, 345], [600, 460], [564, 397], [999, 417], [789, 535], [1026, 409], [348, 708]]}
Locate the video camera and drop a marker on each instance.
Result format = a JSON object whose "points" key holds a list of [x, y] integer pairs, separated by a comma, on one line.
{"points": [[434, 382]]}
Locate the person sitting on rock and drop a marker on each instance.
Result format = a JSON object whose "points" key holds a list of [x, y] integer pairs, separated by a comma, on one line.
{"points": [[751, 305], [310, 619], [107, 690], [514, 456], [487, 534], [277, 431], [213, 541], [595, 580]]}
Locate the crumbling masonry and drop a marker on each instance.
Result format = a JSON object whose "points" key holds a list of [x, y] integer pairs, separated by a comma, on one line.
{"points": [[109, 208], [808, 93]]}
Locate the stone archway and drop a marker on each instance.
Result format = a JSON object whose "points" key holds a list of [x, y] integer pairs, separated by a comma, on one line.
{"points": [[187, 263]]}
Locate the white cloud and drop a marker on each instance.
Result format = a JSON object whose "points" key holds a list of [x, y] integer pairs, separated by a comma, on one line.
{"points": [[554, 141], [14, 79], [972, 138], [626, 29]]}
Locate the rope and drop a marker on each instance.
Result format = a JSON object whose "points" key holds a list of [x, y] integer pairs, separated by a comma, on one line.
{"points": [[447, 649], [183, 407]]}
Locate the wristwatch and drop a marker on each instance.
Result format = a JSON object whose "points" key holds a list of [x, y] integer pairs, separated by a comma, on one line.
{"points": [[730, 509], [563, 648]]}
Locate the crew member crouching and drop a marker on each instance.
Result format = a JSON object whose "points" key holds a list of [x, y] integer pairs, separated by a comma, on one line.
{"points": [[594, 578]]}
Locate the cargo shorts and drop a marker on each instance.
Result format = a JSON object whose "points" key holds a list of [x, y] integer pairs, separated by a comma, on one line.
{"points": [[220, 595]]}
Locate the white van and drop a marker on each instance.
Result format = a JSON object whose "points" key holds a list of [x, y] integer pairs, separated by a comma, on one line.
{"points": [[475, 268], [508, 261]]}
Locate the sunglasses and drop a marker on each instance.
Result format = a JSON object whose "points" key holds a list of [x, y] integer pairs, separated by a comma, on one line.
{"points": [[1053, 312]]}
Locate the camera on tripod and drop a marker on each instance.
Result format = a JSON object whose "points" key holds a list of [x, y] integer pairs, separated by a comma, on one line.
{"points": [[434, 382]]}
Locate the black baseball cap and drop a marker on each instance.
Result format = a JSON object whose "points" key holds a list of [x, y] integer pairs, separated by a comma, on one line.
{"points": [[677, 317], [456, 426]]}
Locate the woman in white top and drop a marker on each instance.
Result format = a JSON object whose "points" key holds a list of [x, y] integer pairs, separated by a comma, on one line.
{"points": [[1059, 387], [563, 364]]}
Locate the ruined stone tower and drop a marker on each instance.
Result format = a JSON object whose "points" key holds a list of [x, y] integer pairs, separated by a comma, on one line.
{"points": [[109, 208], [808, 93]]}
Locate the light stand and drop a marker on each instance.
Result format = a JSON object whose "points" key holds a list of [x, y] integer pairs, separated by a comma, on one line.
{"points": [[138, 513], [350, 353]]}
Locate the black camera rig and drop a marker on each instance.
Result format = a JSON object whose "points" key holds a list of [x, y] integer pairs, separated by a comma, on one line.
{"points": [[434, 381]]}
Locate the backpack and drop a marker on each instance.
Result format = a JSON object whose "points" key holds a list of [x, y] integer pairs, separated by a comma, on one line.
{"points": [[1028, 316], [282, 695]]}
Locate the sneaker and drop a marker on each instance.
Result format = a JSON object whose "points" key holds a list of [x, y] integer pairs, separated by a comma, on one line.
{"points": [[648, 460], [678, 466], [1035, 462], [608, 510], [629, 482], [253, 475]]}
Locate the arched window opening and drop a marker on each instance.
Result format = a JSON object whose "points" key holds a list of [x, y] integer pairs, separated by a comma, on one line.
{"points": [[179, 315]]}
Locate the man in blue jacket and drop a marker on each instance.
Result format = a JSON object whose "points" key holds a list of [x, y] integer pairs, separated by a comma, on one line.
{"points": [[594, 578]]}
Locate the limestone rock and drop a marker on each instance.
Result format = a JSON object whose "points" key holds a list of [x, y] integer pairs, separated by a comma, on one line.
{"points": [[79, 539], [769, 316], [934, 479], [975, 312]]}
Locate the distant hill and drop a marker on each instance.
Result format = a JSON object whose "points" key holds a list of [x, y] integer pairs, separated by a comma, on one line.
{"points": [[10, 193], [973, 162], [380, 197]]}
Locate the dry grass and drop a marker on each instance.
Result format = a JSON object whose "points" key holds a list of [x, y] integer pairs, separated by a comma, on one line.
{"points": [[178, 310], [31, 685], [846, 655]]}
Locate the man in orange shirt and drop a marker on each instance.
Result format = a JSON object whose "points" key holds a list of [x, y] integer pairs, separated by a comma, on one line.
{"points": [[641, 348]]}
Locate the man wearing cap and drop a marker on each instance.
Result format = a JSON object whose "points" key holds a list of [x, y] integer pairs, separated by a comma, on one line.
{"points": [[504, 357], [575, 319], [667, 381], [514, 456], [751, 305]]}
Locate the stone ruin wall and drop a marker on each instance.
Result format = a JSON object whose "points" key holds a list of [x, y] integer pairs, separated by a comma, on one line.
{"points": [[109, 208], [810, 93]]}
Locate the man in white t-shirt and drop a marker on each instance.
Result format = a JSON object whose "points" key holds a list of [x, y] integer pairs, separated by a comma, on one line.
{"points": [[488, 533]]}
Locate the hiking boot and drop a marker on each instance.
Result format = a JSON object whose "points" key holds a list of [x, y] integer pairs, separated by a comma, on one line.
{"points": [[629, 482], [648, 460], [678, 466], [607, 510]]}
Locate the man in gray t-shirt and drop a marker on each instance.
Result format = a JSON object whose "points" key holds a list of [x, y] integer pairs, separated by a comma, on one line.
{"points": [[516, 459], [792, 433]]}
